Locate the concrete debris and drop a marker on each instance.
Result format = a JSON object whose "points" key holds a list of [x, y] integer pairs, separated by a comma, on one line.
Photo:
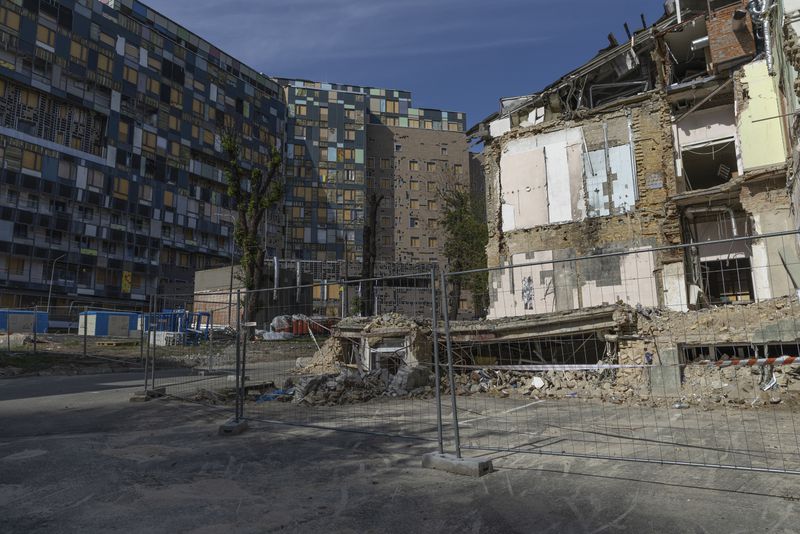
{"points": [[349, 387], [327, 360], [768, 321], [388, 320], [702, 385]]}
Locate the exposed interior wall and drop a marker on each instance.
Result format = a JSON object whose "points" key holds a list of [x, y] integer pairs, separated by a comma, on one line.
{"points": [[776, 263], [759, 119], [554, 283], [674, 282], [631, 190]]}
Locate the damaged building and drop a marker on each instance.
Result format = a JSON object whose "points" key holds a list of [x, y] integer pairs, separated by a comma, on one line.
{"points": [[614, 185]]}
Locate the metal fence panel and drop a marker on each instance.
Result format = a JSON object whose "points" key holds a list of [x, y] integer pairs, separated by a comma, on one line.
{"points": [[680, 355]]}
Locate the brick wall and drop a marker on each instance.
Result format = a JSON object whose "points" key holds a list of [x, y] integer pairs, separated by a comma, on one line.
{"points": [[725, 44]]}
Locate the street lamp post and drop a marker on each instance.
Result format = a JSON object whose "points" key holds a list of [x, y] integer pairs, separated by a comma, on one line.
{"points": [[52, 274]]}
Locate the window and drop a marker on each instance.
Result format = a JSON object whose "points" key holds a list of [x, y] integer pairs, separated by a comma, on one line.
{"points": [[197, 107], [104, 63], [85, 214], [414, 242], [107, 39], [398, 148], [78, 52], [121, 188], [302, 111], [413, 204], [370, 163], [413, 165], [176, 98], [145, 193], [350, 135], [433, 224], [415, 185], [149, 140], [433, 242], [124, 131], [444, 151], [45, 35], [431, 187], [9, 19], [16, 266], [430, 166], [21, 230], [458, 168], [169, 199], [392, 106], [130, 75], [413, 222], [96, 178], [385, 163], [323, 114], [12, 197], [31, 160], [174, 123], [153, 86], [433, 205]]}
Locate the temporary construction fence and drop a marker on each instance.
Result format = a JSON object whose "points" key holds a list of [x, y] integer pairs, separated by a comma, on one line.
{"points": [[74, 337], [682, 355]]}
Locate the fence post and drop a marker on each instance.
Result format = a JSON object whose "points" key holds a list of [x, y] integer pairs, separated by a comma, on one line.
{"points": [[450, 373], [238, 350], [85, 328], [437, 369], [141, 336], [35, 324], [241, 393], [148, 324], [154, 345]]}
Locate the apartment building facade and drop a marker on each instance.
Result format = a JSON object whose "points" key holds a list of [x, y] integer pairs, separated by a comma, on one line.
{"points": [[111, 171], [679, 136], [112, 182]]}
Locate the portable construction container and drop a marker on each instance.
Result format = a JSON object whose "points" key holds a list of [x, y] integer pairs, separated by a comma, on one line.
{"points": [[109, 324], [23, 321]]}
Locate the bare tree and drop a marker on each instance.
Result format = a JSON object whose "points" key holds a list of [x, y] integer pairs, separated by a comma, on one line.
{"points": [[253, 192]]}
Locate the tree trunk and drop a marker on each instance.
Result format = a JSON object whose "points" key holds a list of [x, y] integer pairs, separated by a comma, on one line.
{"points": [[370, 252], [455, 298]]}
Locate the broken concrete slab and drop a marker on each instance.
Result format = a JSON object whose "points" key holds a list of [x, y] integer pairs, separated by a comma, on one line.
{"points": [[471, 467]]}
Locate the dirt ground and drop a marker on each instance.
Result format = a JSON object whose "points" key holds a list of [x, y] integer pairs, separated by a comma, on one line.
{"points": [[76, 456], [62, 354]]}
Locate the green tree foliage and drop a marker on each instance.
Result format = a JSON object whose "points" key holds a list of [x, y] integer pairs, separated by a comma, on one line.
{"points": [[465, 247], [254, 192]]}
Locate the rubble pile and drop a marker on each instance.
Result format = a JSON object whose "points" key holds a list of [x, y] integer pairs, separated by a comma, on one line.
{"points": [[748, 385], [391, 320], [348, 387], [605, 385], [327, 360], [764, 321]]}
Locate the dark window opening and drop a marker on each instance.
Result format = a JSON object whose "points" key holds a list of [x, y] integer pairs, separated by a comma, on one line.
{"points": [[579, 349], [727, 281], [709, 166]]}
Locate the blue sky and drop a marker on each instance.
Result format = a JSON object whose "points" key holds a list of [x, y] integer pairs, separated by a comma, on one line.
{"points": [[457, 55]]}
